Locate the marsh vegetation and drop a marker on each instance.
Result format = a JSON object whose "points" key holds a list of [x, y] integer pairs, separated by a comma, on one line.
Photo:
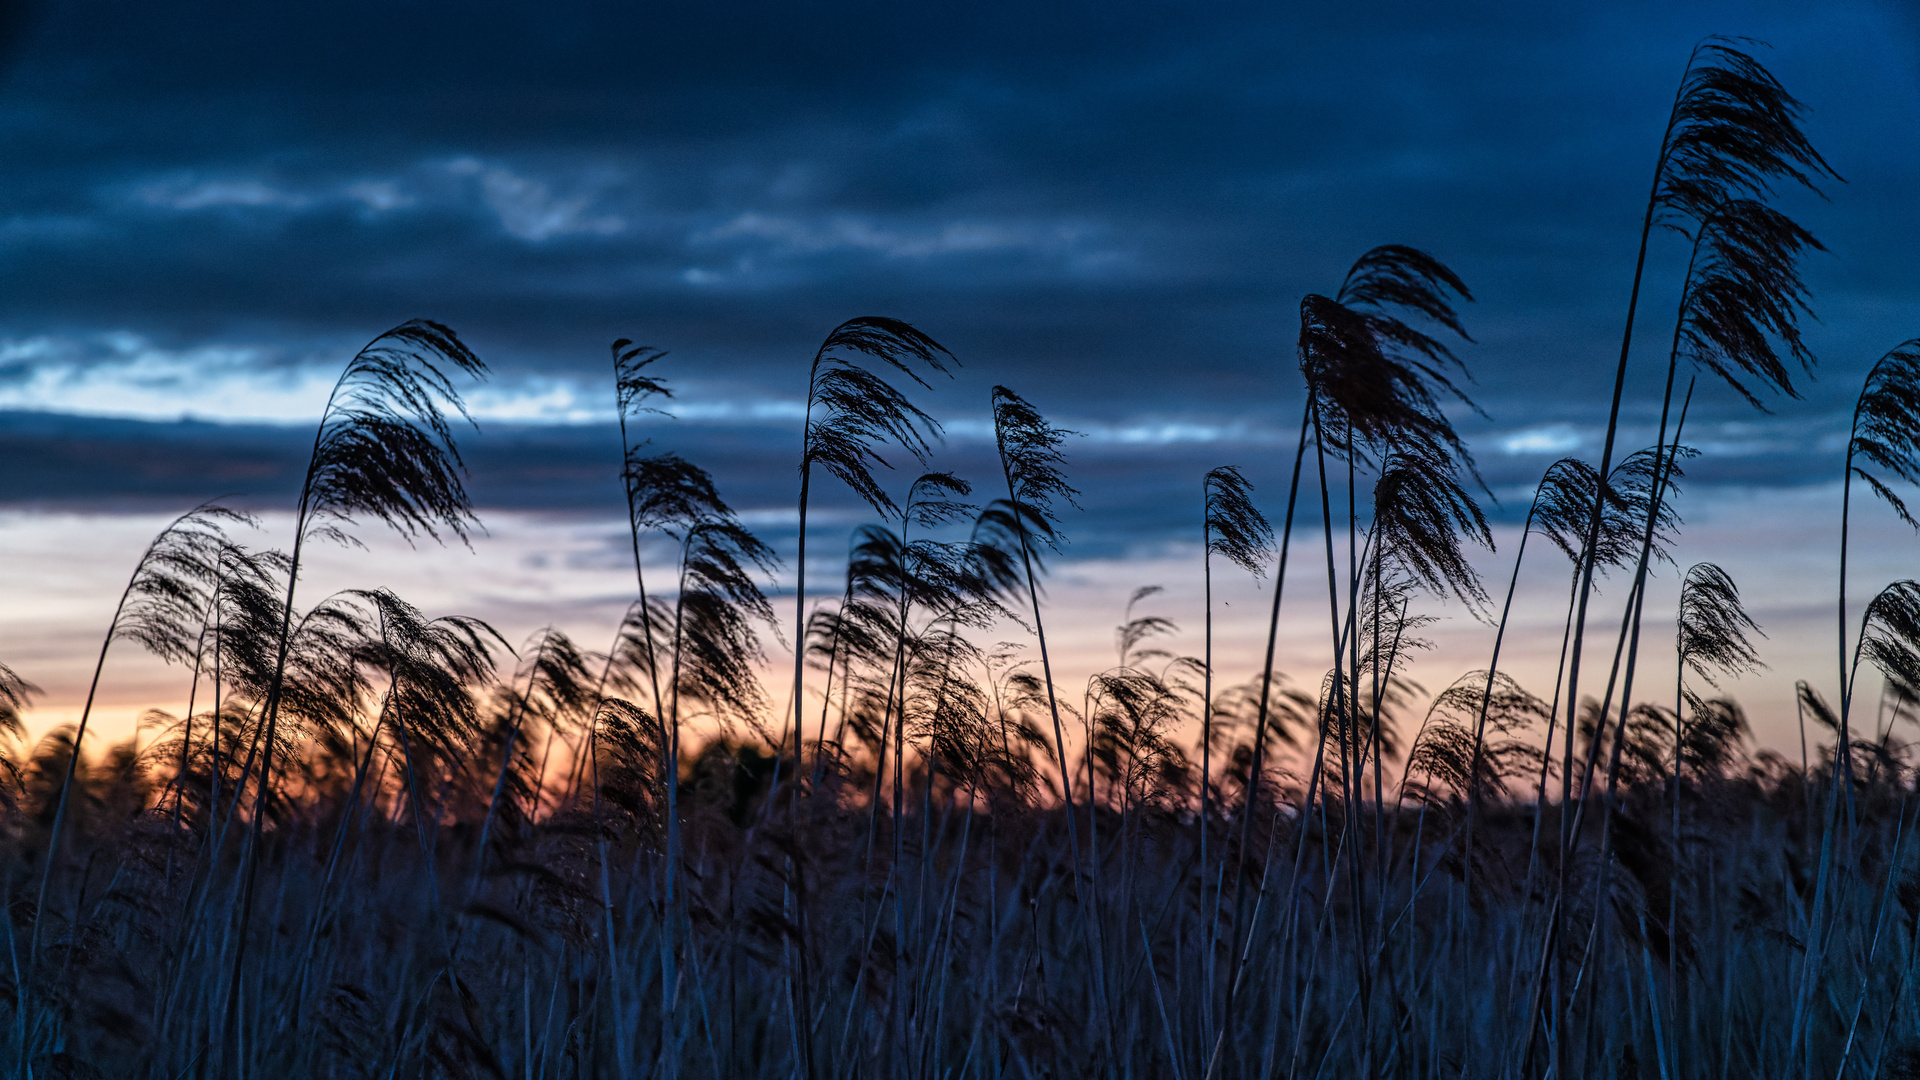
{"points": [[385, 842]]}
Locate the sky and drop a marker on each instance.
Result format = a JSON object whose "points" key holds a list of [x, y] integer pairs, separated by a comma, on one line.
{"points": [[1114, 209]]}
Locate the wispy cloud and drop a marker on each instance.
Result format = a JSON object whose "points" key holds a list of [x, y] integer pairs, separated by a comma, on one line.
{"points": [[755, 237], [844, 232], [1136, 432], [119, 373], [529, 209], [124, 374], [379, 195], [1544, 439], [187, 194]]}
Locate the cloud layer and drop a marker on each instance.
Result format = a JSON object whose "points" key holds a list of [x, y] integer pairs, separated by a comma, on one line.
{"points": [[1114, 207]]}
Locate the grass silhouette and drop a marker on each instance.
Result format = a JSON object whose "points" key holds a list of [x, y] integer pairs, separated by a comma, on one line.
{"points": [[393, 846]]}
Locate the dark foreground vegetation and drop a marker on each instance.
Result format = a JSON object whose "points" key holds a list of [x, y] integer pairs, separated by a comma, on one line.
{"points": [[382, 844]]}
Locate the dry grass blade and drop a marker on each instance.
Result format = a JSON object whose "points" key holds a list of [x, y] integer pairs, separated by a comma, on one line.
{"points": [[1630, 492], [859, 409], [996, 545], [1734, 132], [849, 410], [433, 667], [15, 694], [628, 748], [1236, 530], [1236, 717], [1031, 459], [666, 491], [561, 691], [1377, 382], [1030, 462], [1421, 516], [936, 499], [717, 648], [162, 607], [385, 448], [1129, 635], [1809, 702], [948, 710], [1745, 293], [1713, 626], [633, 387], [248, 616], [1444, 750], [1389, 627], [1132, 713], [1710, 741], [1886, 425], [1394, 275], [1890, 636], [170, 593], [1563, 504]]}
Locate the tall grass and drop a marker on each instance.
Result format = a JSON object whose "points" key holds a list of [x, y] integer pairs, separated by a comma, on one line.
{"points": [[394, 847]]}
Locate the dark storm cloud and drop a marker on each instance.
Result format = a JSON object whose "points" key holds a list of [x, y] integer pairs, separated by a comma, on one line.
{"points": [[1114, 208]]}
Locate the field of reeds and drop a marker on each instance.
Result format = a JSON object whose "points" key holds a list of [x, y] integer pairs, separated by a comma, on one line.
{"points": [[384, 842]]}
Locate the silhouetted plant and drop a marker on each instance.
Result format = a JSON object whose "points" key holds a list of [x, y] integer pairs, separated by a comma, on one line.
{"points": [[857, 409], [1421, 515], [1452, 748], [1886, 435], [558, 692], [1235, 530], [633, 387], [160, 608], [433, 669], [1030, 462], [1713, 627], [1733, 132], [1375, 387], [1375, 381], [1368, 934], [384, 450]]}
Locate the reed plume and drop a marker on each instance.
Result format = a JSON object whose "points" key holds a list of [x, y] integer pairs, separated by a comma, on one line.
{"points": [[633, 388], [384, 449], [160, 609], [857, 410], [1234, 529]]}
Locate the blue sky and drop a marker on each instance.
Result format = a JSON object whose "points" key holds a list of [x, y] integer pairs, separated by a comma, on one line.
{"points": [[1112, 208]]}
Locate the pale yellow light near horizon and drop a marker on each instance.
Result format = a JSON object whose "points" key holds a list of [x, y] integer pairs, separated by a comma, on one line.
{"points": [[61, 574]]}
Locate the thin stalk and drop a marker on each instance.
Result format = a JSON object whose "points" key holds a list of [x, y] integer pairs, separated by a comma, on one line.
{"points": [[506, 763], [1090, 926], [1308, 423], [1590, 552], [1486, 698], [66, 779], [1206, 752]]}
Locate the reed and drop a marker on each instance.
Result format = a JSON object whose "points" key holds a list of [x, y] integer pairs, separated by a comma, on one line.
{"points": [[1219, 874]]}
